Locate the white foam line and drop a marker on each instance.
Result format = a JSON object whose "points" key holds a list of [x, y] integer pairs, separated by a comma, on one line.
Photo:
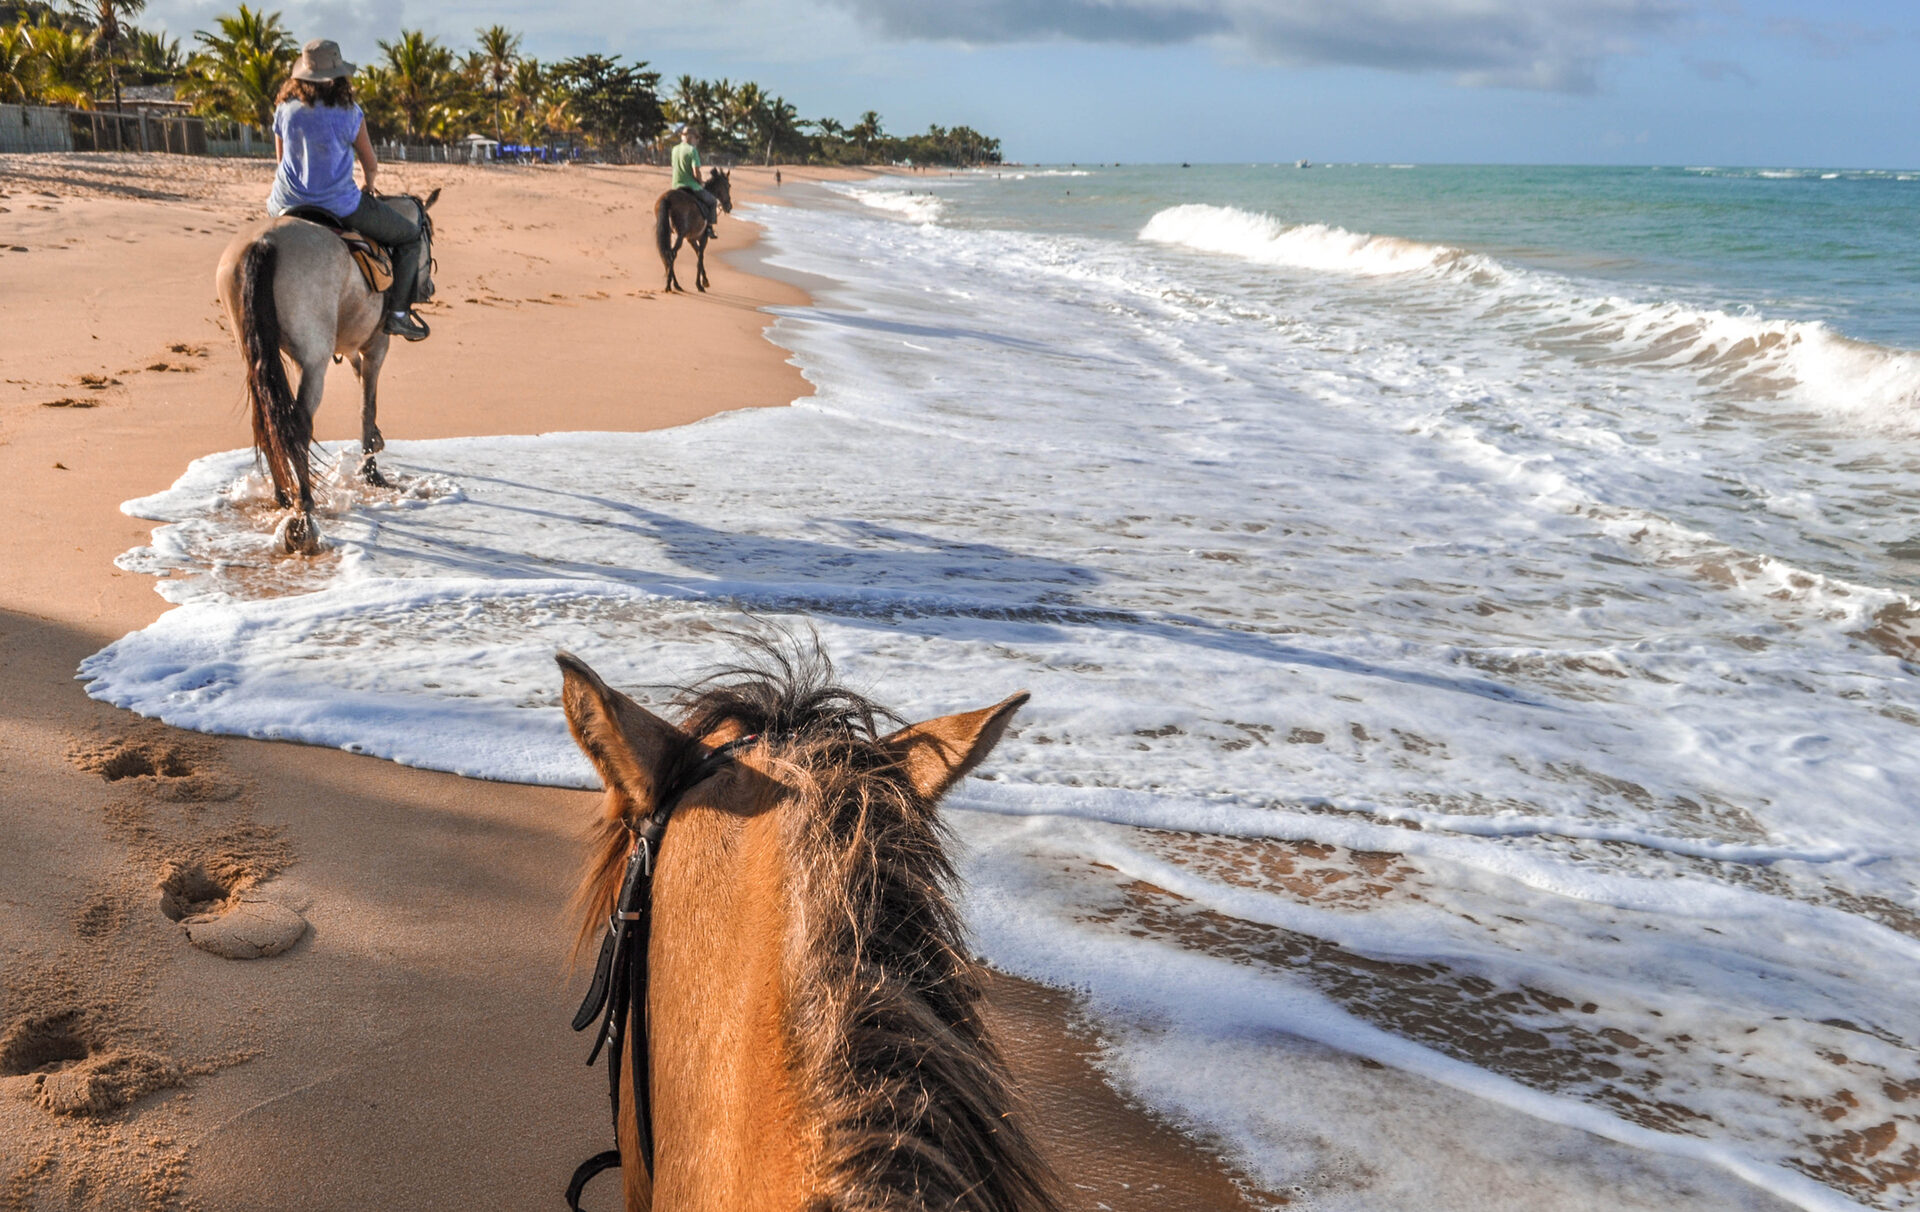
{"points": [[1681, 896], [1163, 982]]}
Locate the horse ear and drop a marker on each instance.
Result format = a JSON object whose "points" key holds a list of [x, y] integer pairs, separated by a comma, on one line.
{"points": [[431, 199], [625, 742], [936, 754]]}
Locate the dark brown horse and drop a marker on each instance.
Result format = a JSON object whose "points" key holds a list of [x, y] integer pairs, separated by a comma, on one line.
{"points": [[809, 1033], [677, 220]]}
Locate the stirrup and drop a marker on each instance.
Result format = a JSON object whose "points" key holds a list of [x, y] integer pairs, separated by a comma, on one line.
{"points": [[406, 324]]}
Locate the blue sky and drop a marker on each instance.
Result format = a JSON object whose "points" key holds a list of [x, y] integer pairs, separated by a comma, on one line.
{"points": [[1763, 82]]}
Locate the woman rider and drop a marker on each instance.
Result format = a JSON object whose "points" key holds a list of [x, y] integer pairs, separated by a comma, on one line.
{"points": [[318, 132]]}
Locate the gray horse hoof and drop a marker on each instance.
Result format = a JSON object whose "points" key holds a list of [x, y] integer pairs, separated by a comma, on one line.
{"points": [[297, 535]]}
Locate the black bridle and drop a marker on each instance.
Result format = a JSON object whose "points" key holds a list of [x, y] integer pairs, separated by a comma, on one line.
{"points": [[618, 993]]}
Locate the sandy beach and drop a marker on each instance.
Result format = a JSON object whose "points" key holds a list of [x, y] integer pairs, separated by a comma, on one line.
{"points": [[412, 1048]]}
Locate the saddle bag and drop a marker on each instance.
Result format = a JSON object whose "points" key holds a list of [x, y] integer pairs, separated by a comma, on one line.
{"points": [[376, 264]]}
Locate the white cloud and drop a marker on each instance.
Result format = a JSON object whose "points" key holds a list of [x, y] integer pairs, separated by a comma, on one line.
{"points": [[1552, 45], [1557, 45]]}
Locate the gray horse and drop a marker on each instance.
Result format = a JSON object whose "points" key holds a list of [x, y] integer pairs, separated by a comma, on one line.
{"points": [[290, 286]]}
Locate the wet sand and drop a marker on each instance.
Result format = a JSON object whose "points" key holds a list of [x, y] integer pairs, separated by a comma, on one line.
{"points": [[410, 1048]]}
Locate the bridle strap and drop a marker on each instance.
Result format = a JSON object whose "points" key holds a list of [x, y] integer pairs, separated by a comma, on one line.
{"points": [[618, 992]]}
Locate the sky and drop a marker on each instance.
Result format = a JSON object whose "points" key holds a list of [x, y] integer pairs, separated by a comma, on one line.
{"points": [[1693, 82]]}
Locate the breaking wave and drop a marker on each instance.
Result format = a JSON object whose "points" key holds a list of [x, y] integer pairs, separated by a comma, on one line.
{"points": [[1749, 355]]}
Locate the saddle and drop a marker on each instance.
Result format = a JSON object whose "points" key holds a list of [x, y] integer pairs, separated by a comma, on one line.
{"points": [[375, 262]]}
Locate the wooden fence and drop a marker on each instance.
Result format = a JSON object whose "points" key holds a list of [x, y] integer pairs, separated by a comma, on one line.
{"points": [[37, 128]]}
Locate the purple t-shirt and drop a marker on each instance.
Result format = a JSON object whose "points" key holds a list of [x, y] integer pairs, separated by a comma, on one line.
{"points": [[316, 165]]}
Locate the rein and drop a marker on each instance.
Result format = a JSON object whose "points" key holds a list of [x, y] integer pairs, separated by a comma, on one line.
{"points": [[618, 993]]}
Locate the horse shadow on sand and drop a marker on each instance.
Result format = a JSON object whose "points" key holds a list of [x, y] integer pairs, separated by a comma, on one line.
{"points": [[870, 574]]}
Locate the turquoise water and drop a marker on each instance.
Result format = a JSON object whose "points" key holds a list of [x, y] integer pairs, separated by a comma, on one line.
{"points": [[1834, 245]]}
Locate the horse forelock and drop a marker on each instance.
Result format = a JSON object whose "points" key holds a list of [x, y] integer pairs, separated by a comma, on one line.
{"points": [[884, 1007], [884, 1014]]}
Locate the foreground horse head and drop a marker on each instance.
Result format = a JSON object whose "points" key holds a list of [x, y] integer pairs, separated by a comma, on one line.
{"points": [[291, 289], [809, 1030], [677, 220]]}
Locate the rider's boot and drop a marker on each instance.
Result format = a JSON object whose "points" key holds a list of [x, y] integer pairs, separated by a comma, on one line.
{"points": [[406, 324]]}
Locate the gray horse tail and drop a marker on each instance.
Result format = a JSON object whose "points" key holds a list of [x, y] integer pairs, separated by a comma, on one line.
{"points": [[282, 430]]}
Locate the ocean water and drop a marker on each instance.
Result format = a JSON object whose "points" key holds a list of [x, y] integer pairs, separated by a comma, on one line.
{"points": [[1470, 615]]}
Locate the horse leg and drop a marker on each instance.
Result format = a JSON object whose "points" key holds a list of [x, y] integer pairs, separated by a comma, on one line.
{"points": [[366, 364], [700, 261], [673, 282], [300, 534]]}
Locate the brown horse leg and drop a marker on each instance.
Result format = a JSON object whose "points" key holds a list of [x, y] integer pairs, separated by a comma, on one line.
{"points": [[366, 364], [673, 281], [700, 261]]}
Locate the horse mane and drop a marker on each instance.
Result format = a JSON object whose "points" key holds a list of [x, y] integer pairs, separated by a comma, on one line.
{"points": [[889, 1047]]}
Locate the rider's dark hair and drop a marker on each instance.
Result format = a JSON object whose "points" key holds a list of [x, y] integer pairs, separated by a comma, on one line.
{"points": [[337, 93]]}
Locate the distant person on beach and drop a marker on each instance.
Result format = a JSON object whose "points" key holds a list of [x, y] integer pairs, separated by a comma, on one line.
{"points": [[686, 175], [318, 132]]}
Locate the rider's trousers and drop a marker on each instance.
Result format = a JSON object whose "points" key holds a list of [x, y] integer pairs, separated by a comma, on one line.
{"points": [[376, 220]]}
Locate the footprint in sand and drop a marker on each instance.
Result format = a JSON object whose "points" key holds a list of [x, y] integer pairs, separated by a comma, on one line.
{"points": [[66, 1063], [213, 903], [208, 881], [176, 771]]}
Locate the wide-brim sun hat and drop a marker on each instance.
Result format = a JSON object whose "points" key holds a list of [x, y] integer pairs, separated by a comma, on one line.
{"points": [[320, 60]]}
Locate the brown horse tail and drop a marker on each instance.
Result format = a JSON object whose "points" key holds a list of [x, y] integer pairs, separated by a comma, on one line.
{"points": [[663, 233], [282, 431]]}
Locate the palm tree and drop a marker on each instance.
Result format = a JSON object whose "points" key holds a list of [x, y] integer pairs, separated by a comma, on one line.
{"points": [[747, 114], [780, 124], [63, 60], [526, 93], [499, 53], [154, 58], [19, 70], [866, 132], [420, 71], [105, 16], [237, 71]]}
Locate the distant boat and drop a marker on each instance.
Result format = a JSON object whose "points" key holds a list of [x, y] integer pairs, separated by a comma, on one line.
{"points": [[1303, 164], [1184, 164]]}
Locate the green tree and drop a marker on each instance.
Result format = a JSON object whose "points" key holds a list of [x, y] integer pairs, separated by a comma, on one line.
{"points": [[866, 133], [238, 69], [615, 103], [536, 101], [153, 58], [418, 82], [63, 64], [19, 69], [30, 12], [777, 128]]}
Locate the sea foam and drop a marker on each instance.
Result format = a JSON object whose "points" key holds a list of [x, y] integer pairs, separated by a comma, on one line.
{"points": [[1405, 681]]}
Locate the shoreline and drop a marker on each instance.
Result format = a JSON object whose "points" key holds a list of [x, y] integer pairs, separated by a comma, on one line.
{"points": [[423, 1013]]}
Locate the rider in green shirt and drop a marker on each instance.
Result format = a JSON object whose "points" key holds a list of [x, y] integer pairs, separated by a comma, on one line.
{"points": [[686, 175]]}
